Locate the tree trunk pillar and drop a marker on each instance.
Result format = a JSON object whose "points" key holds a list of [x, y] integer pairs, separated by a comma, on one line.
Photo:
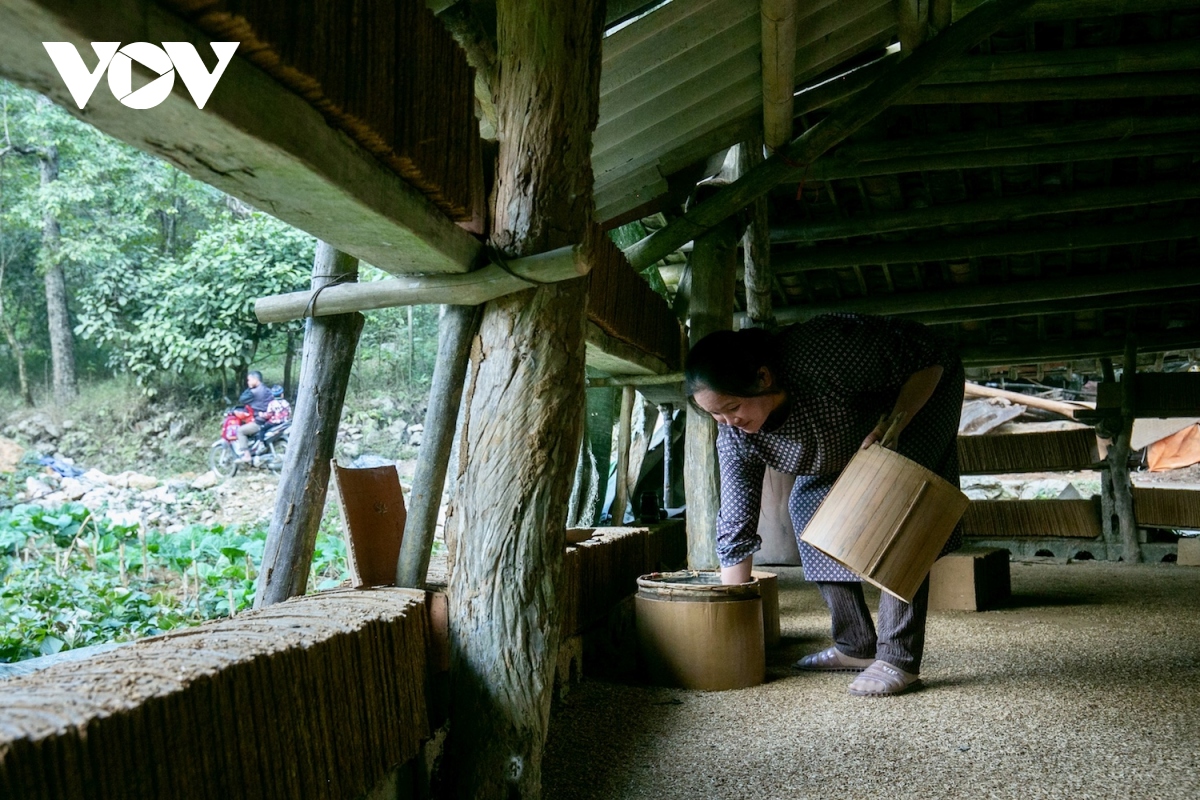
{"points": [[710, 308], [456, 329], [600, 401], [524, 408], [1119, 466], [329, 345]]}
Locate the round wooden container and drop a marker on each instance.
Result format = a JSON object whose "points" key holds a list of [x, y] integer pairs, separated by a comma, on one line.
{"points": [[697, 633], [768, 589], [886, 518]]}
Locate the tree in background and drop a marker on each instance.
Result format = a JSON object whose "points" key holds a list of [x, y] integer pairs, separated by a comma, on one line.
{"points": [[159, 271]]}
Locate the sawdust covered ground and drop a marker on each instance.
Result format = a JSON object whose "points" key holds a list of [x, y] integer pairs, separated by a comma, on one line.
{"points": [[1085, 685]]}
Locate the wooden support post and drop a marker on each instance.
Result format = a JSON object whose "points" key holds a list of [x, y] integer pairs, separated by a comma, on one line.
{"points": [[600, 402], [624, 439], [791, 162], [778, 69], [756, 246], [913, 16], [524, 408], [329, 345], [714, 273], [1110, 524], [1119, 460], [456, 329], [666, 412]]}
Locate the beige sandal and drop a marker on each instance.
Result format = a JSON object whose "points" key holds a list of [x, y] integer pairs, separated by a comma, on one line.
{"points": [[832, 660], [882, 679]]}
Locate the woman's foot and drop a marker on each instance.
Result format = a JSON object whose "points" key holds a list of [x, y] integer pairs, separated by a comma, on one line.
{"points": [[882, 679], [832, 660]]}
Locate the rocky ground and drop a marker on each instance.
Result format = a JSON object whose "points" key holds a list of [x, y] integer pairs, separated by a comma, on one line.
{"points": [[169, 485]]}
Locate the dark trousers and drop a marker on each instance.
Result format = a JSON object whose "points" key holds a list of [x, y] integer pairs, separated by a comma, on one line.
{"points": [[900, 639]]}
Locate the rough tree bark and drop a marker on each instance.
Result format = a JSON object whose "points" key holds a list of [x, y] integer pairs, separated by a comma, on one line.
{"points": [[62, 340], [524, 409], [18, 350], [757, 246], [329, 345]]}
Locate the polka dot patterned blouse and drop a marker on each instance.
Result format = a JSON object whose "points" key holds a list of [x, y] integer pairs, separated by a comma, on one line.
{"points": [[841, 373]]}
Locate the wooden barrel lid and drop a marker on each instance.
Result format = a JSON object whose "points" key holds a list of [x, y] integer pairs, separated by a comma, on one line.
{"points": [[691, 585]]}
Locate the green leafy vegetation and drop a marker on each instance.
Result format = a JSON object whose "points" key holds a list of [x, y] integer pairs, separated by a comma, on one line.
{"points": [[70, 579]]}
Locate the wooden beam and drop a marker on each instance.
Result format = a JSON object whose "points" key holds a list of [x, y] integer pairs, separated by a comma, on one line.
{"points": [[456, 329], [1107, 302], [329, 346], [778, 69], [1074, 349], [1058, 133], [255, 139], [1079, 62], [1046, 10], [999, 210], [827, 256], [473, 288], [1158, 84], [982, 297], [713, 270], [830, 90], [1137, 146], [611, 356], [1065, 409], [791, 163], [665, 379]]}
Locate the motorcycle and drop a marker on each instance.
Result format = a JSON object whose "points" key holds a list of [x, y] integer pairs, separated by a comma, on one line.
{"points": [[267, 449]]}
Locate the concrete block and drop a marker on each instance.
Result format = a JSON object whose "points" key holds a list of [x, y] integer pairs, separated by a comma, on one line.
{"points": [[1189, 552], [972, 579]]}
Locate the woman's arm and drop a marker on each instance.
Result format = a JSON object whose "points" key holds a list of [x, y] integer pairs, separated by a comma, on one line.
{"points": [[914, 394], [738, 573]]}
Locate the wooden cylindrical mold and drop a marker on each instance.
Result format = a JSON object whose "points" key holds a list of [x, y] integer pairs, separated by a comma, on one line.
{"points": [[768, 589], [886, 518], [696, 633]]}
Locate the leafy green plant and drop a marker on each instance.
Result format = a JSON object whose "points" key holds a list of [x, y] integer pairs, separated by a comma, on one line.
{"points": [[70, 579]]}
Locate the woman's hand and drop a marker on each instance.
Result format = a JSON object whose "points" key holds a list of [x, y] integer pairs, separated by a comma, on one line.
{"points": [[914, 394], [886, 432]]}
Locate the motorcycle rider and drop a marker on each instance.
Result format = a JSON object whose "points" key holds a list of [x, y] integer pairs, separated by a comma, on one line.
{"points": [[258, 397]]}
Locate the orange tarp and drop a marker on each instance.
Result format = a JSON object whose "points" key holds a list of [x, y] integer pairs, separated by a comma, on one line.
{"points": [[1175, 451]]}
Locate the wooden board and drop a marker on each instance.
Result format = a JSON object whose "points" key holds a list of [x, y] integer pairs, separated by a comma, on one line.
{"points": [[318, 697], [1028, 452], [1170, 508], [993, 519], [373, 516]]}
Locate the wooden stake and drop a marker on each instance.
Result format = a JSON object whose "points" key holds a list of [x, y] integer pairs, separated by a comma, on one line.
{"points": [[328, 355], [456, 330], [793, 161]]}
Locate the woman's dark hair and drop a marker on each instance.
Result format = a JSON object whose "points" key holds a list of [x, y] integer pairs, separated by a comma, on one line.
{"points": [[727, 362]]}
